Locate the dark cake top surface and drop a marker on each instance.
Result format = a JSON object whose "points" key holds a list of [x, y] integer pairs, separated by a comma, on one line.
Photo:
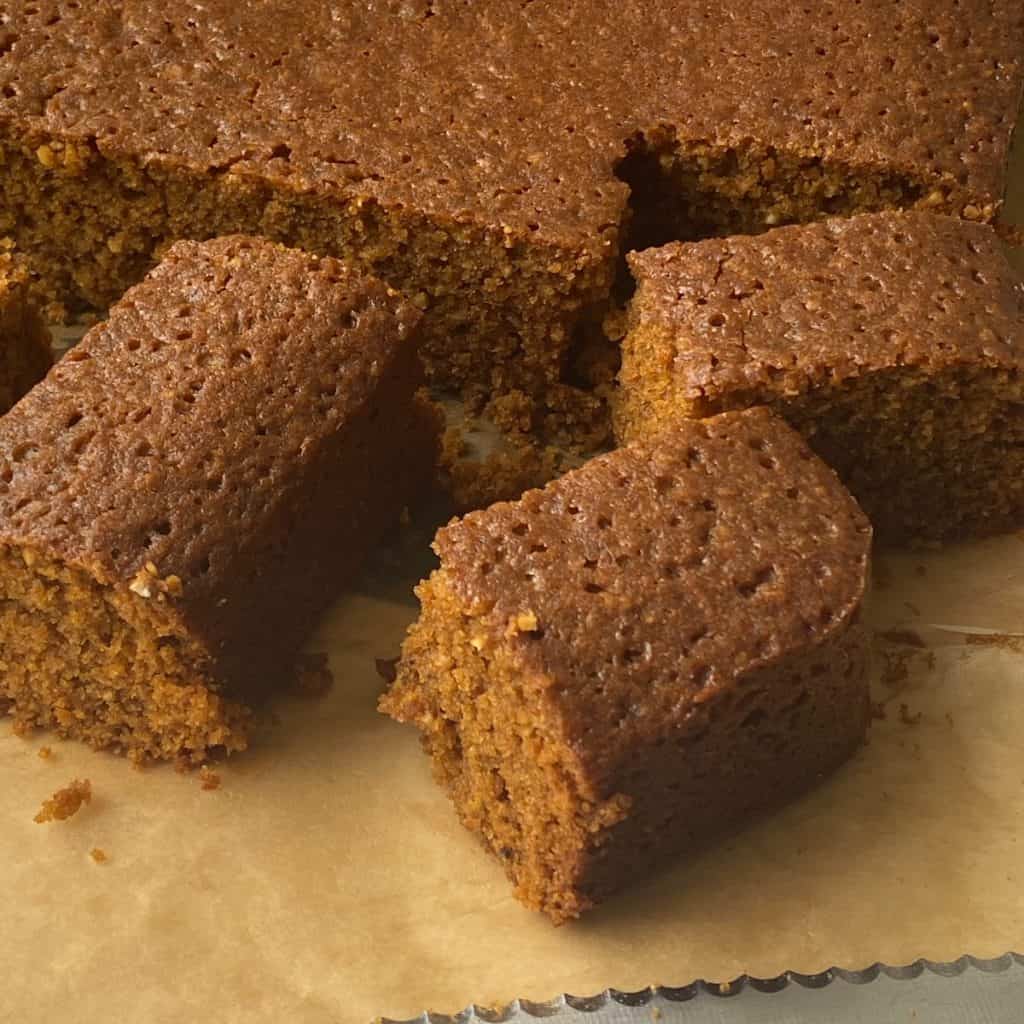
{"points": [[653, 577], [806, 305], [511, 113], [211, 386]]}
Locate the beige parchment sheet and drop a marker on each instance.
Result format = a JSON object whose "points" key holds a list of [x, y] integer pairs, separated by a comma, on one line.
{"points": [[327, 880]]}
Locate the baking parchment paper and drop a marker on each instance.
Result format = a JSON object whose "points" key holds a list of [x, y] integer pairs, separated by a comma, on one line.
{"points": [[327, 879]]}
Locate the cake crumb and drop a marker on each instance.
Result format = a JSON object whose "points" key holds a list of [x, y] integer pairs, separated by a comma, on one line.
{"points": [[501, 476], [895, 670], [45, 753], [313, 677], [208, 779], [141, 584], [524, 622], [904, 637], [65, 802], [1004, 641], [907, 718], [98, 855], [387, 669]]}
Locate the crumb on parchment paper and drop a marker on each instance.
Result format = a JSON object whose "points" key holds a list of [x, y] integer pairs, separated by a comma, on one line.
{"points": [[208, 779], [98, 855], [313, 676], [387, 669], [45, 753], [65, 802]]}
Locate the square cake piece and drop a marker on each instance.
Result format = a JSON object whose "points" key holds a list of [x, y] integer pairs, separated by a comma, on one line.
{"points": [[893, 342], [192, 484], [25, 353], [454, 151], [643, 654]]}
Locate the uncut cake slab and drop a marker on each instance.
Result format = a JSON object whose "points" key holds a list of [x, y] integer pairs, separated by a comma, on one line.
{"points": [[326, 878]]}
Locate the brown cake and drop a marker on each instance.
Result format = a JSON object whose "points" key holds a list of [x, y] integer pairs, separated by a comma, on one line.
{"points": [[641, 655], [24, 341], [893, 342], [192, 484], [489, 159]]}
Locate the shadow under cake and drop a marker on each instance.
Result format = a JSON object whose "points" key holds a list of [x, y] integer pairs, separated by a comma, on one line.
{"points": [[25, 353]]}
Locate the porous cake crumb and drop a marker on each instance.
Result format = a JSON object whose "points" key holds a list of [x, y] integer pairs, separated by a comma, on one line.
{"points": [[651, 649], [517, 465], [65, 802], [208, 778]]}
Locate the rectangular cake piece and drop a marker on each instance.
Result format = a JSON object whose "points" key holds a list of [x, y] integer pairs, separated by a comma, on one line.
{"points": [[191, 485], [641, 655], [454, 151], [893, 342], [25, 353]]}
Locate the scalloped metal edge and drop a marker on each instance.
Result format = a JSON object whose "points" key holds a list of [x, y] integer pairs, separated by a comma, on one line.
{"points": [[721, 990]]}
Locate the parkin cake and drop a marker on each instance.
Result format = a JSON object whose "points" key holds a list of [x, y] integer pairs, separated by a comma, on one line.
{"points": [[192, 484], [645, 653], [893, 342], [491, 160]]}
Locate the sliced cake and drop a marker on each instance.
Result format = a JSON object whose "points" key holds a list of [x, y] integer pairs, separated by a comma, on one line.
{"points": [[191, 485], [642, 655], [893, 342]]}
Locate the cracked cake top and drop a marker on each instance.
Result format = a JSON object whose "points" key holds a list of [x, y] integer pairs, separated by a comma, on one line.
{"points": [[513, 113], [812, 305]]}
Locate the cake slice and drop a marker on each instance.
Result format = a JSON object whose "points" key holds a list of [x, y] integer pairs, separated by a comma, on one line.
{"points": [[25, 353], [641, 655], [192, 484], [893, 342]]}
